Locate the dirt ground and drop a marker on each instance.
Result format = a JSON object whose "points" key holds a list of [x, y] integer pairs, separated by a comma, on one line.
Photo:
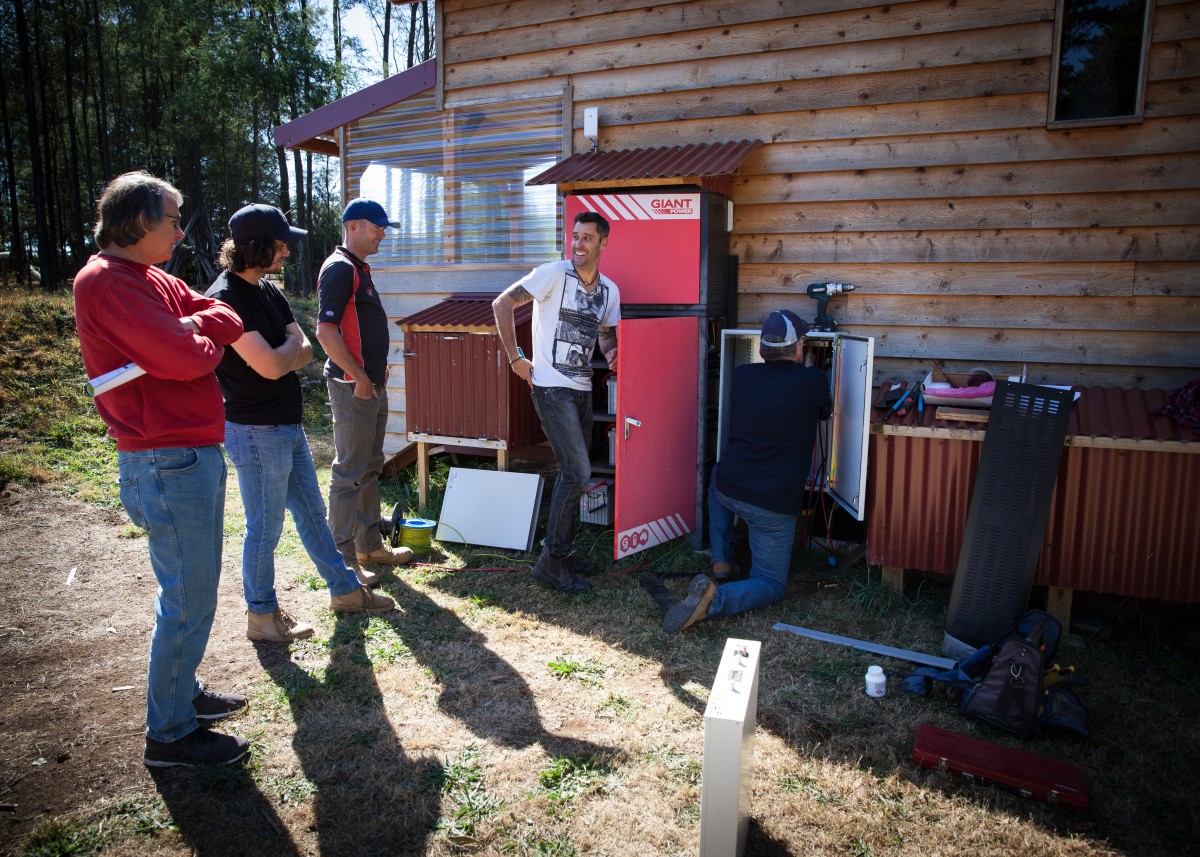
{"points": [[77, 601]]}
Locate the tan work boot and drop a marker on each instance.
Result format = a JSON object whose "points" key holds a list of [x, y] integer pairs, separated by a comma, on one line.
{"points": [[277, 627], [361, 600], [366, 578], [386, 555]]}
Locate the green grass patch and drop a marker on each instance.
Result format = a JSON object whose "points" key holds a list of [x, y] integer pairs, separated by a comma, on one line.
{"points": [[682, 766], [59, 839], [568, 778], [469, 804], [618, 706], [586, 671], [143, 817], [292, 790]]}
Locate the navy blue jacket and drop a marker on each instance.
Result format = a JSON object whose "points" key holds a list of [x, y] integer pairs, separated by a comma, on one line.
{"points": [[775, 408]]}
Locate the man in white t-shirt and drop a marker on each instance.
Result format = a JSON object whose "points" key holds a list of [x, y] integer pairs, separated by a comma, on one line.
{"points": [[575, 306]]}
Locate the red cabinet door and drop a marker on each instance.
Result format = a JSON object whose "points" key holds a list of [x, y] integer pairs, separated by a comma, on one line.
{"points": [[658, 370]]}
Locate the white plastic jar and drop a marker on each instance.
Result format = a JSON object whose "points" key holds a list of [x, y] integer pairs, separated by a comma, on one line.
{"points": [[876, 681]]}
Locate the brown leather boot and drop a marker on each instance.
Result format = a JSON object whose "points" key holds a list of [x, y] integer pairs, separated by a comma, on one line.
{"points": [[553, 572], [277, 627], [361, 600]]}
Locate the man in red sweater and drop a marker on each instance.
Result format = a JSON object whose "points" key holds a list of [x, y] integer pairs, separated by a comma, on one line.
{"points": [[168, 424]]}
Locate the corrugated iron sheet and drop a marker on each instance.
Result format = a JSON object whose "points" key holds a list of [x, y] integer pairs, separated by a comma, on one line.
{"points": [[457, 379], [466, 311], [694, 159], [1123, 518]]}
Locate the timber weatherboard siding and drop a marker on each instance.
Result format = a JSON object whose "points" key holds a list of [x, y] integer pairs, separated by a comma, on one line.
{"points": [[906, 151]]}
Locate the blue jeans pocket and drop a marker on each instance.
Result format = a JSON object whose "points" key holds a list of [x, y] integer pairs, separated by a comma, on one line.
{"points": [[131, 499], [177, 462]]}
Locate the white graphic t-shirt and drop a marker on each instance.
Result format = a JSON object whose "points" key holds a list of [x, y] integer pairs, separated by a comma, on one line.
{"points": [[566, 322]]}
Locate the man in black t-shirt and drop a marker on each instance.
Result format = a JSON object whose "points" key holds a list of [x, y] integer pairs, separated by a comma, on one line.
{"points": [[264, 437], [774, 410]]}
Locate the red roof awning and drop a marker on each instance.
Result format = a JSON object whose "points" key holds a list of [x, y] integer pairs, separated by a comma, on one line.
{"points": [[698, 163], [311, 131]]}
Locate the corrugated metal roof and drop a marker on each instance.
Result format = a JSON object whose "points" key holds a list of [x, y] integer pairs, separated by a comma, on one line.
{"points": [[1100, 414], [694, 159], [464, 311]]}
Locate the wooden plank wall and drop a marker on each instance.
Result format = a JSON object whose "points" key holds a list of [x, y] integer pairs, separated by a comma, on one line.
{"points": [[907, 153]]}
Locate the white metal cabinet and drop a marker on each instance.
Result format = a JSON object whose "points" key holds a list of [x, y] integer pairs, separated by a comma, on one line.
{"points": [[845, 435]]}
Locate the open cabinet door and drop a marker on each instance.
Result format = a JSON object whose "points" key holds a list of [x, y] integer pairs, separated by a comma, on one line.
{"points": [[847, 431], [658, 365], [845, 435]]}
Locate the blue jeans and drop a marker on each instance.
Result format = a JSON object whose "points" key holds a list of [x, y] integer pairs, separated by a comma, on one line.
{"points": [[275, 473], [359, 426], [566, 416], [771, 536], [178, 497]]}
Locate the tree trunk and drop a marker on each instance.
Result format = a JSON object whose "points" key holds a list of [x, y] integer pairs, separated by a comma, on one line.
{"points": [[387, 36], [75, 235], [45, 244], [16, 239], [337, 46], [102, 92]]}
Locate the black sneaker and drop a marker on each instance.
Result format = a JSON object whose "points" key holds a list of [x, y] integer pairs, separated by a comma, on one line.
{"points": [[200, 747], [689, 611], [217, 706]]}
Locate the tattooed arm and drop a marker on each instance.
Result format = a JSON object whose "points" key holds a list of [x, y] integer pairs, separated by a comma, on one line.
{"points": [[608, 346], [503, 308]]}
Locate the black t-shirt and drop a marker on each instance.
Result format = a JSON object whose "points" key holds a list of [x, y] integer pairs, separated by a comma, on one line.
{"points": [[251, 399], [775, 408], [355, 307]]}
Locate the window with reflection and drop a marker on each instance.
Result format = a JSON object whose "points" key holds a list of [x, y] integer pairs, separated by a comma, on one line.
{"points": [[1100, 55], [455, 180]]}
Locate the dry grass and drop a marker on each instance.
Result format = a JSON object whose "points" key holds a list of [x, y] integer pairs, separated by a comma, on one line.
{"points": [[490, 716]]}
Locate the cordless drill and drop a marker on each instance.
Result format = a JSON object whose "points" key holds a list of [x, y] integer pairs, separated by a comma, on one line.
{"points": [[822, 292]]}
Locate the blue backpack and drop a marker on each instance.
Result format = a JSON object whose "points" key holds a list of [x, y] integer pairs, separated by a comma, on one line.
{"points": [[1012, 684]]}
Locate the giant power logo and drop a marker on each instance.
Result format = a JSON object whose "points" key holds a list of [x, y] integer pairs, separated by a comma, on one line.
{"points": [[672, 207]]}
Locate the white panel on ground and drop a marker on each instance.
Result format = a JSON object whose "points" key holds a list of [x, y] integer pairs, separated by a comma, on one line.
{"points": [[490, 507], [729, 723]]}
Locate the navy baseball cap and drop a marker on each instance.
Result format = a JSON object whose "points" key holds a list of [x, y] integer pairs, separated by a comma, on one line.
{"points": [[367, 209], [262, 221], [783, 327]]}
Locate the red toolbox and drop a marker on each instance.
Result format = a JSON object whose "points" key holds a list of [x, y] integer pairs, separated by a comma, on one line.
{"points": [[1026, 774]]}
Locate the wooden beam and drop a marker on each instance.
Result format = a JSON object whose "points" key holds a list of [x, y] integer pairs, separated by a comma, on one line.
{"points": [[1058, 605], [894, 578]]}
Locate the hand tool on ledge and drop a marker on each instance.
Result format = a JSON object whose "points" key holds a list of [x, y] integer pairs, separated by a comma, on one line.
{"points": [[909, 400], [899, 403]]}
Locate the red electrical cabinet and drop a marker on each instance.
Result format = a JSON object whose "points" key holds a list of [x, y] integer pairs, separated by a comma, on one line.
{"points": [[668, 253]]}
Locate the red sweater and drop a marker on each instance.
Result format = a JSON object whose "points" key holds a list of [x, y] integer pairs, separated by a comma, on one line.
{"points": [[126, 311]]}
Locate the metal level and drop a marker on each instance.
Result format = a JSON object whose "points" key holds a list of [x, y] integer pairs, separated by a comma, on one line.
{"points": [[890, 651]]}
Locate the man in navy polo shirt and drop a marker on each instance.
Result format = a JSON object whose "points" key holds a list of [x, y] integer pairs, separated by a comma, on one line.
{"points": [[774, 410], [352, 327]]}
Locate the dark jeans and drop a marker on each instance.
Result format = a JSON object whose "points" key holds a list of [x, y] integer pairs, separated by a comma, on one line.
{"points": [[566, 416]]}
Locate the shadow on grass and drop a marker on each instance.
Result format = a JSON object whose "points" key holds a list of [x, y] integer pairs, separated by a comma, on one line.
{"points": [[342, 738], [370, 796], [220, 810]]}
